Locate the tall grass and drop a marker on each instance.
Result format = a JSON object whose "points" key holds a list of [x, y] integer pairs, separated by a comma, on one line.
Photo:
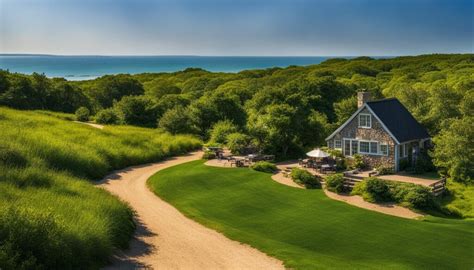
{"points": [[51, 216]]}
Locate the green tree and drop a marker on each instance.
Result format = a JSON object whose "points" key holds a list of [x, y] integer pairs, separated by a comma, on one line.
{"points": [[210, 109], [454, 151], [82, 114], [136, 110], [107, 89], [159, 88], [107, 117], [176, 121], [345, 108], [65, 97], [237, 142], [315, 129], [19, 93], [275, 128], [170, 101], [221, 130]]}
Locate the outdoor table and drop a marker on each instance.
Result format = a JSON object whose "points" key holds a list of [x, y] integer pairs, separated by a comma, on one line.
{"points": [[325, 167]]}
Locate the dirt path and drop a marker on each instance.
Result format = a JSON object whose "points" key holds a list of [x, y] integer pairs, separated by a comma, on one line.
{"points": [[386, 208], [91, 124], [166, 239]]}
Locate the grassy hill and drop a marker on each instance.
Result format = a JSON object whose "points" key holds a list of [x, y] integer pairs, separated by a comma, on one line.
{"points": [[306, 229], [51, 216]]}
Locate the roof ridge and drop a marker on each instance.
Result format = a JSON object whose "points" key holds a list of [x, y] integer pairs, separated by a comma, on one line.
{"points": [[382, 100]]}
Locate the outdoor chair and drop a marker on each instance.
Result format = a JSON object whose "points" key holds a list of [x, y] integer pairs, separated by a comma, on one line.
{"points": [[268, 157]]}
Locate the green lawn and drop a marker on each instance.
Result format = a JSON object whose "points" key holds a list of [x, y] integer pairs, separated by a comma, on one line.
{"points": [[307, 230]]}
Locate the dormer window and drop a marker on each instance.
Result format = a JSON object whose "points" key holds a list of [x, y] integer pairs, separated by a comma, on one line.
{"points": [[365, 120]]}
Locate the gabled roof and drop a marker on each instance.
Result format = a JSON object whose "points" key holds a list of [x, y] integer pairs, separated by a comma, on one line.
{"points": [[395, 119], [398, 119]]}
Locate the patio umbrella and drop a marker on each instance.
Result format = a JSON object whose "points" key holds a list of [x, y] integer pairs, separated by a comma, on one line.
{"points": [[317, 153]]}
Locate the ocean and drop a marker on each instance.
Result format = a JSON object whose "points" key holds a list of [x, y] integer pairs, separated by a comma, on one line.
{"points": [[90, 67]]}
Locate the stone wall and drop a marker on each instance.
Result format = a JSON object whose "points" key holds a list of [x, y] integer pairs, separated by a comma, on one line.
{"points": [[375, 133]]}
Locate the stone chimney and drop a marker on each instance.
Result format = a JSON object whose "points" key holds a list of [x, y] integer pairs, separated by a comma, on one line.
{"points": [[362, 97]]}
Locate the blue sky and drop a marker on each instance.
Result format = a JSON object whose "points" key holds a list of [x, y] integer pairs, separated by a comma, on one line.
{"points": [[236, 27]]}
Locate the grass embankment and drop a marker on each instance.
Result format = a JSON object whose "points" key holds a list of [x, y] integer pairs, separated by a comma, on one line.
{"points": [[306, 229], [50, 215]]}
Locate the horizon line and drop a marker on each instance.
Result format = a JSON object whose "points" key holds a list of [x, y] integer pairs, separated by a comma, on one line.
{"points": [[207, 55]]}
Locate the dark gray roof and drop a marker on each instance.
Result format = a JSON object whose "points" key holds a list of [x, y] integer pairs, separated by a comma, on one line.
{"points": [[398, 120]]}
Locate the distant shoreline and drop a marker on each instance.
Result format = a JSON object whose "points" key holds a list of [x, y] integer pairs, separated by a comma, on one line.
{"points": [[90, 67], [191, 55]]}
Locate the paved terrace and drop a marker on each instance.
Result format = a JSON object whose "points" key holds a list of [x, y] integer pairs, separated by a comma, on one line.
{"points": [[403, 177]]}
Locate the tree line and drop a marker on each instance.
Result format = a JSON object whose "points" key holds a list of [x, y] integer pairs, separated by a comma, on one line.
{"points": [[282, 111]]}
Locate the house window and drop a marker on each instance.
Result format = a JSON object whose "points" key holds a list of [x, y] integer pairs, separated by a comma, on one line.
{"points": [[337, 144], [364, 147], [354, 147], [365, 120], [402, 150], [350, 147], [330, 144], [374, 147], [369, 147], [384, 149]]}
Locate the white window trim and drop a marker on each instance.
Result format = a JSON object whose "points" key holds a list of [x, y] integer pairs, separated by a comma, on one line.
{"points": [[370, 153], [350, 146], [370, 120], [380, 149], [335, 147], [379, 152], [403, 150]]}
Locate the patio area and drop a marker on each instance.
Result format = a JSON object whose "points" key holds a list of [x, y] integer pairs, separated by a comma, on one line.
{"points": [[224, 158], [398, 177]]}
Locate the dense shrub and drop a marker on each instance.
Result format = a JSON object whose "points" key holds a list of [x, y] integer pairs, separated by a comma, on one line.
{"points": [[384, 170], [237, 142], [264, 166], [107, 117], [221, 130], [377, 189], [208, 155], [341, 164], [406, 194], [404, 164], [411, 195], [359, 162], [335, 183], [82, 114], [420, 198], [423, 163], [373, 190], [303, 177]]}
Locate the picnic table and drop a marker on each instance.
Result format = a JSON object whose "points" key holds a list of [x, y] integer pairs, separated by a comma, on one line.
{"points": [[326, 168]]}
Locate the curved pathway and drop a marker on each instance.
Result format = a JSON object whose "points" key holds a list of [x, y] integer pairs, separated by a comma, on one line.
{"points": [[165, 238]]}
